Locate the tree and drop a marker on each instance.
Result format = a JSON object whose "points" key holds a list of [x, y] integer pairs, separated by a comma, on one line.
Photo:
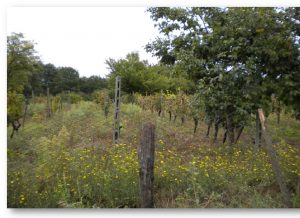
{"points": [[225, 48], [89, 84], [49, 74], [137, 75], [21, 63], [131, 71], [66, 79], [35, 83]]}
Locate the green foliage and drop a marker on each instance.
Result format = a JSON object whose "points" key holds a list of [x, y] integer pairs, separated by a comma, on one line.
{"points": [[21, 62], [131, 71], [102, 98], [71, 97], [90, 84], [170, 101], [74, 97], [128, 98], [138, 76], [36, 108], [55, 103], [196, 105], [15, 103], [240, 56], [66, 79], [48, 75], [53, 150], [131, 109], [61, 79]]}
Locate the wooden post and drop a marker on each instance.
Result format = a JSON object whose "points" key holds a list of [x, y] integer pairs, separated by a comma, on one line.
{"points": [[146, 159], [116, 134], [161, 112], [274, 161], [48, 104], [257, 131]]}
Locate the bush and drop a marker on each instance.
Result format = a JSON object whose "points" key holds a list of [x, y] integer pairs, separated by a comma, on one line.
{"points": [[129, 99], [71, 97], [36, 108], [130, 109], [55, 103]]}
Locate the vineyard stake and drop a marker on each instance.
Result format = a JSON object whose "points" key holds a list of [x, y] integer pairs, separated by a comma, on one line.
{"points": [[116, 134], [146, 159]]}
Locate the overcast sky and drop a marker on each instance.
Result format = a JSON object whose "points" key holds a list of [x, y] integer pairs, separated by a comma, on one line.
{"points": [[84, 37]]}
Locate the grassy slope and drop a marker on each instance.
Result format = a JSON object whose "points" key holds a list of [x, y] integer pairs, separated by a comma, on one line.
{"points": [[69, 161]]}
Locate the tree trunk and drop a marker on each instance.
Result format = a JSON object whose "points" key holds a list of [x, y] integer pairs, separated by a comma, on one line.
{"points": [[195, 124], [225, 133], [208, 128], [25, 113], [230, 129], [182, 120], [239, 133], [225, 136], [257, 132], [15, 125], [216, 131], [170, 115]]}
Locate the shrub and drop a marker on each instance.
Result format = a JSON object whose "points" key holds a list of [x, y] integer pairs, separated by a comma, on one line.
{"points": [[130, 109]]}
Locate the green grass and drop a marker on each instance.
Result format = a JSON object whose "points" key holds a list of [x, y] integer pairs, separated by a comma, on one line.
{"points": [[70, 161]]}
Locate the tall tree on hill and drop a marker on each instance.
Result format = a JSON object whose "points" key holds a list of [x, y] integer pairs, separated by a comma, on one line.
{"points": [[139, 76], [89, 84], [221, 46], [21, 63], [48, 75], [66, 79]]}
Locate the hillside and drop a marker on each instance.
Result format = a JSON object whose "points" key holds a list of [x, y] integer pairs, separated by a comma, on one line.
{"points": [[69, 160]]}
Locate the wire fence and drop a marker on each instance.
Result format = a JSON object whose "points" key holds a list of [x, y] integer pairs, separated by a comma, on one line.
{"points": [[87, 124]]}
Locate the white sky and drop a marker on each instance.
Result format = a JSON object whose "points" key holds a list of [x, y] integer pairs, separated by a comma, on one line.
{"points": [[84, 37]]}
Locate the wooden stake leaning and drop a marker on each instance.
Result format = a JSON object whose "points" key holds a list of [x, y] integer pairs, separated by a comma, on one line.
{"points": [[274, 161]]}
